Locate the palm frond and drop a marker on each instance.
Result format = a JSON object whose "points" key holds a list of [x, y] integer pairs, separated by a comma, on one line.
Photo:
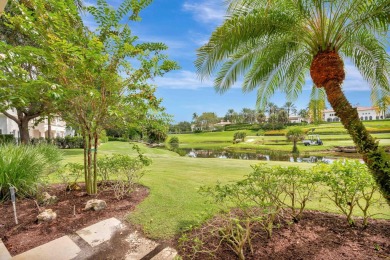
{"points": [[371, 59]]}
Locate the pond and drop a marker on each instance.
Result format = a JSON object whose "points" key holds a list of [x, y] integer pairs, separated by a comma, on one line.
{"points": [[259, 155]]}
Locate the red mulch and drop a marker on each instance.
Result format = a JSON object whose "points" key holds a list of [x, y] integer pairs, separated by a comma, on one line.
{"points": [[29, 233], [317, 235]]}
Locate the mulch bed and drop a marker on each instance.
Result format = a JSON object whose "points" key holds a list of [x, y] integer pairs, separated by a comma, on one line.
{"points": [[317, 235], [29, 233]]}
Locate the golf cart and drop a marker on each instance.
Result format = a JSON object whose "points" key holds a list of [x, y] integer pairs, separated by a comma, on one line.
{"points": [[312, 140]]}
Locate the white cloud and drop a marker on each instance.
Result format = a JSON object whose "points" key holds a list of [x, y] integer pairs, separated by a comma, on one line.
{"points": [[206, 11], [353, 79], [185, 79], [182, 79]]}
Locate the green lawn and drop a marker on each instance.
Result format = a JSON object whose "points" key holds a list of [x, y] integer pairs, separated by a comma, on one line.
{"points": [[174, 203], [332, 134]]}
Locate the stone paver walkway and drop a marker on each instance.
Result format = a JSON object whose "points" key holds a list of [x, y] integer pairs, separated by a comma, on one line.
{"points": [[93, 241]]}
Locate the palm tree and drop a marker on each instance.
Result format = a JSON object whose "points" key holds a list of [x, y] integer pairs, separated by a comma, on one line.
{"points": [[304, 114], [294, 135], [271, 108], [290, 107], [275, 44]]}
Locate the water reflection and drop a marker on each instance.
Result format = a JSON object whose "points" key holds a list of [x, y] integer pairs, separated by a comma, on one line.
{"points": [[261, 156]]}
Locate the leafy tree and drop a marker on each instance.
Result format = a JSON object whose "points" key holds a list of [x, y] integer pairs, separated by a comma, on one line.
{"points": [[206, 120], [99, 85], [274, 44], [282, 117], [27, 84], [294, 135], [184, 126]]}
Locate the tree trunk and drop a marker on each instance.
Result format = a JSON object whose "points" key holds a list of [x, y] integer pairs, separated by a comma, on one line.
{"points": [[23, 131], [327, 70], [49, 128], [96, 139], [374, 156]]}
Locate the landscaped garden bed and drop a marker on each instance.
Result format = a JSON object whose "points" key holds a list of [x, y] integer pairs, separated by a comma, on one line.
{"points": [[71, 216], [317, 235]]}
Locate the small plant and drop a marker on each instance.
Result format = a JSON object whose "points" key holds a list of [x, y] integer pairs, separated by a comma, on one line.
{"points": [[174, 143], [350, 186], [70, 175], [298, 186], [294, 135], [239, 137], [122, 171]]}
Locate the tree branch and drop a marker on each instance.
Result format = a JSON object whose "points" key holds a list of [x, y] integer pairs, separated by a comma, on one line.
{"points": [[11, 117]]}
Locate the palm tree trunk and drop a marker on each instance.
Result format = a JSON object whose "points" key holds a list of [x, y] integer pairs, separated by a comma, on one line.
{"points": [[374, 156]]}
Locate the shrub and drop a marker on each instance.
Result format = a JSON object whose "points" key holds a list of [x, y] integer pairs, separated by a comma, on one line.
{"points": [[350, 186], [122, 171], [174, 142], [71, 142], [25, 167], [239, 136], [7, 139], [298, 186], [103, 137]]}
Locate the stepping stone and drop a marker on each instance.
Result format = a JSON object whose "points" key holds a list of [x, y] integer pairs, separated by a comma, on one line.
{"points": [[100, 232], [62, 248], [4, 254], [139, 246], [166, 254]]}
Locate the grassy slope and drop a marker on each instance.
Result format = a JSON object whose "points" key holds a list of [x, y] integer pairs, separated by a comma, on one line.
{"points": [[173, 203]]}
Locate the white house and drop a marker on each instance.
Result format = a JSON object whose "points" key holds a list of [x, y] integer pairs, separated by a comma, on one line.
{"points": [[365, 113], [37, 128], [297, 119]]}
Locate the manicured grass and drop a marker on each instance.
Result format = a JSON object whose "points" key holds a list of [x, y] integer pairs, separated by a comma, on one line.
{"points": [[332, 134], [174, 203]]}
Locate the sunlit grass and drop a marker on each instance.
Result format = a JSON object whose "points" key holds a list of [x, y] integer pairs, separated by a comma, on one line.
{"points": [[174, 202]]}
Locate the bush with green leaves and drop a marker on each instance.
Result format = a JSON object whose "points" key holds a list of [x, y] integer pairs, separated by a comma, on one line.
{"points": [[256, 201], [122, 171], [350, 187], [239, 136], [174, 142], [298, 186], [25, 167], [7, 139]]}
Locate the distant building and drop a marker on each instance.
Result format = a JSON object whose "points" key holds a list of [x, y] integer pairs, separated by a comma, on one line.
{"points": [[37, 128], [296, 119], [365, 113], [223, 123]]}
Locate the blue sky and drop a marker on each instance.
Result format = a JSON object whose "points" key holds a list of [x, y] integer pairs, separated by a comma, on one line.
{"points": [[185, 25]]}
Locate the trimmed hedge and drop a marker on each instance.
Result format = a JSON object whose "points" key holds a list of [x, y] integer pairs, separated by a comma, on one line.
{"points": [[69, 142], [7, 139]]}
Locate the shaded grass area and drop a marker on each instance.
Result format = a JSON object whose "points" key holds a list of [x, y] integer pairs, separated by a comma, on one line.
{"points": [[174, 202]]}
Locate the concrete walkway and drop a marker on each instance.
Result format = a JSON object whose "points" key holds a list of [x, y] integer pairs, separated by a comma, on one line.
{"points": [[107, 239]]}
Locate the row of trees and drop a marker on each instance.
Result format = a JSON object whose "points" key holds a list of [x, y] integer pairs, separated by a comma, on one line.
{"points": [[51, 63], [272, 114]]}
